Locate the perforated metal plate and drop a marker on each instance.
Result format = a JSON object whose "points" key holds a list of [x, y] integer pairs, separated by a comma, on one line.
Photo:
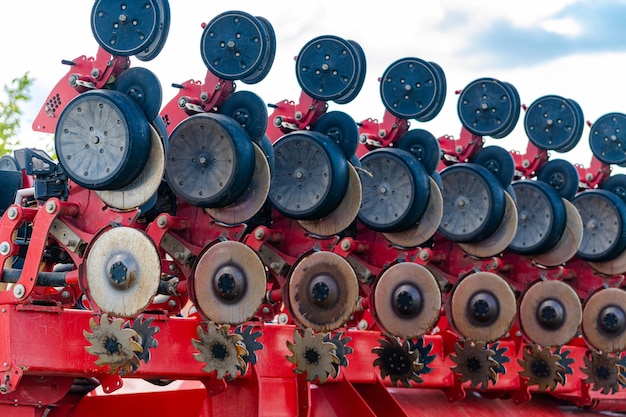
{"points": [[121, 272], [407, 300], [228, 283], [604, 322], [550, 313], [482, 307], [145, 186], [234, 45], [323, 291], [125, 28]]}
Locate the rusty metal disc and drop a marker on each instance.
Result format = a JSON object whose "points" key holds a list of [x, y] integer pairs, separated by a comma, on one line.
{"points": [[340, 218], [121, 272], [498, 241], [604, 320], [144, 187], [570, 240], [252, 200], [323, 291], [482, 307], [550, 313], [228, 283], [407, 300], [427, 224], [613, 267]]}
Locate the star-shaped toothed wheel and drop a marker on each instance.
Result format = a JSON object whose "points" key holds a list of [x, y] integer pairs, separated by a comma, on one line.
{"points": [[604, 372], [313, 356], [341, 348], [146, 334], [113, 344], [475, 362], [396, 361], [250, 341], [424, 356], [542, 367], [221, 351]]}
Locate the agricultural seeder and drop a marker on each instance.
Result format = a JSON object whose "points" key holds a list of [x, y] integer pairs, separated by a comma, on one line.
{"points": [[207, 256]]}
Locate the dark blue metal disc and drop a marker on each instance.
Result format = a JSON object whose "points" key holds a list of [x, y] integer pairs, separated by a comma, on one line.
{"points": [[580, 125], [409, 87], [499, 161], [143, 87], [473, 203], [210, 161], [616, 184], [424, 146], [310, 175], [249, 110], [234, 45], [268, 150], [486, 107], [440, 97], [102, 140], [266, 64], [125, 28], [396, 190], [607, 138], [604, 225], [341, 128], [562, 175], [361, 70], [552, 123], [541, 217], [509, 126], [151, 51], [327, 68]]}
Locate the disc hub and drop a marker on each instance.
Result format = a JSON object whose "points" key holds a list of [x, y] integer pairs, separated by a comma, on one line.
{"points": [[122, 271], [324, 290], [407, 300], [612, 319], [483, 308], [551, 314], [229, 283]]}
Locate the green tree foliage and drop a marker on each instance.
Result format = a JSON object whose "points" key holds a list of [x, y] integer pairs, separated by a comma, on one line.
{"points": [[17, 93]]}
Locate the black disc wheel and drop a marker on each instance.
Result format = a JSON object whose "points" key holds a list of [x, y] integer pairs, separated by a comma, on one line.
{"points": [[562, 175], [499, 161], [607, 138], [424, 146], [396, 190], [266, 64], [328, 68], [615, 184], [409, 88], [541, 217], [604, 220], [144, 87], [163, 29], [473, 203], [125, 28], [210, 160], [234, 45], [310, 175], [249, 110], [360, 77], [553, 123], [486, 107], [341, 128], [102, 140]]}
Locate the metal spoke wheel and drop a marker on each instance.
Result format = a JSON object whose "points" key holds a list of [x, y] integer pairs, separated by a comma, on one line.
{"points": [[473, 203], [396, 190], [102, 140], [126, 28], [210, 162], [310, 176]]}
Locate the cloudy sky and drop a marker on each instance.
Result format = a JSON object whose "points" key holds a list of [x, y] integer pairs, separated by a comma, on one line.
{"points": [[576, 49]]}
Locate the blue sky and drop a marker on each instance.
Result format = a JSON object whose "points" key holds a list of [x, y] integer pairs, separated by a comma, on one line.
{"points": [[576, 49]]}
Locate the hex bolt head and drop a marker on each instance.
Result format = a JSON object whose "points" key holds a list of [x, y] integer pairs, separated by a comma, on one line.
{"points": [[162, 222], [259, 234], [5, 248], [363, 325], [51, 207], [19, 291], [283, 318], [12, 213]]}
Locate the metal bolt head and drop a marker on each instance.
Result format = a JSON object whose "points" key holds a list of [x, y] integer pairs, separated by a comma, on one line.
{"points": [[382, 133], [19, 291], [298, 115], [278, 121], [51, 207], [162, 222], [95, 73], [346, 245], [363, 325], [72, 80], [204, 96], [12, 213], [265, 310], [283, 318], [172, 303], [259, 234], [65, 295], [5, 248]]}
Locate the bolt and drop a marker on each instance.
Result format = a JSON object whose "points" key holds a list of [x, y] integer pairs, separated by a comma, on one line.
{"points": [[204, 96], [182, 102], [589, 177], [162, 222], [51, 207], [72, 80], [346, 245], [259, 234], [424, 255], [65, 295], [19, 291], [363, 325], [265, 310], [172, 303], [298, 115], [6, 364], [278, 121], [12, 213], [299, 175], [5, 248], [363, 139], [231, 44], [95, 73], [118, 273], [172, 267], [382, 133], [283, 318]]}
